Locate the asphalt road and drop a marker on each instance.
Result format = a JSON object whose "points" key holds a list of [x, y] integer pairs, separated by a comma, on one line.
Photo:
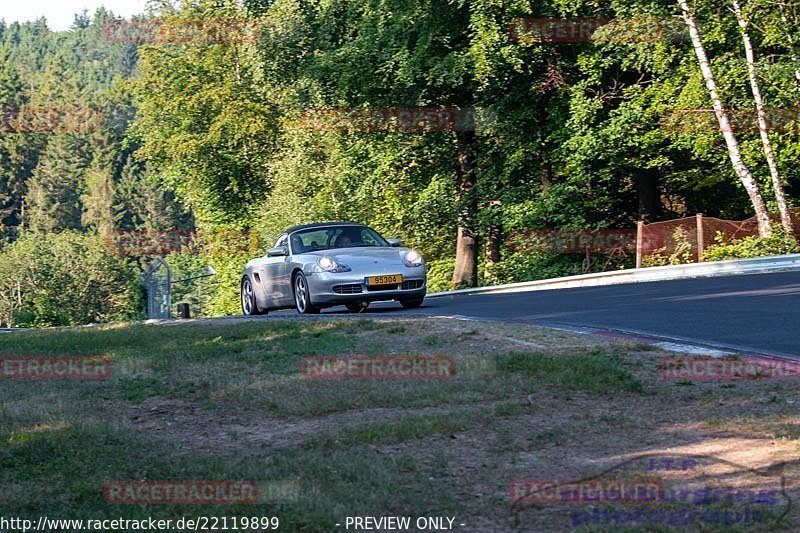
{"points": [[759, 313]]}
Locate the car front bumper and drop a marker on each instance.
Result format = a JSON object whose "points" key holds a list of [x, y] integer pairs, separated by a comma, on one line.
{"points": [[342, 287]]}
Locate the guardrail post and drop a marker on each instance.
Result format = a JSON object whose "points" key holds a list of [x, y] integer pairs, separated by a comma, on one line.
{"points": [[701, 249], [639, 242]]}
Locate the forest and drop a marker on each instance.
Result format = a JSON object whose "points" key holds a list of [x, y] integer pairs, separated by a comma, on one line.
{"points": [[250, 116]]}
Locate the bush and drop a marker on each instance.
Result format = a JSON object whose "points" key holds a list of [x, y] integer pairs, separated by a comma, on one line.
{"points": [[440, 274], [65, 279], [778, 243], [225, 298], [681, 252], [525, 266]]}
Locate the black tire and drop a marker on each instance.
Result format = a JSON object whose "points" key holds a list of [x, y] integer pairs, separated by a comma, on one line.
{"points": [[248, 299], [357, 307], [302, 296], [411, 303]]}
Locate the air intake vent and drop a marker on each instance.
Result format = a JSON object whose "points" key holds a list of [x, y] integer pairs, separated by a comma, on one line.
{"points": [[353, 288], [411, 284]]}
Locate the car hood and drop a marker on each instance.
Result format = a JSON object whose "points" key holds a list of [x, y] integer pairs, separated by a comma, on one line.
{"points": [[364, 256]]}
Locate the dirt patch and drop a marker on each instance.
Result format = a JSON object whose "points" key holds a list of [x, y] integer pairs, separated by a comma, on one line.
{"points": [[576, 438], [546, 432], [193, 429]]}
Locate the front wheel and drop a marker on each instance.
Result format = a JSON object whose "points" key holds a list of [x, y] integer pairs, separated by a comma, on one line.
{"points": [[302, 296], [249, 305], [411, 303]]}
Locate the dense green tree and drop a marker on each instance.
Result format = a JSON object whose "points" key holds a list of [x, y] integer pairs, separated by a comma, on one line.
{"points": [[575, 134], [204, 121], [53, 200], [65, 279]]}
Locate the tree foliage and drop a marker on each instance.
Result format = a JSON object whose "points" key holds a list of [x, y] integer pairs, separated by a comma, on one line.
{"points": [[569, 135]]}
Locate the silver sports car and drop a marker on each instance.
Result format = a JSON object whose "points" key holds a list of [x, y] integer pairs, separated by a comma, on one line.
{"points": [[333, 263]]}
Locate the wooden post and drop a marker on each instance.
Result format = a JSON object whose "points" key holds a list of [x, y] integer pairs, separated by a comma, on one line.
{"points": [[639, 242], [701, 248]]}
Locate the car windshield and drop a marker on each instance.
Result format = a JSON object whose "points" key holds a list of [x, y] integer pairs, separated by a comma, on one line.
{"points": [[332, 237]]}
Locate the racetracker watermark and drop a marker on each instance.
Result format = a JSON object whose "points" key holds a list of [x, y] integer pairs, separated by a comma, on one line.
{"points": [[670, 489], [701, 505], [55, 367], [145, 242], [196, 31], [706, 368], [579, 30], [388, 367], [579, 241], [586, 491], [50, 120], [678, 518], [181, 492], [393, 119], [739, 120]]}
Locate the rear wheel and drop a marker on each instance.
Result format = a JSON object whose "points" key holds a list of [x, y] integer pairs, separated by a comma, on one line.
{"points": [[411, 303], [302, 296], [249, 305], [357, 307]]}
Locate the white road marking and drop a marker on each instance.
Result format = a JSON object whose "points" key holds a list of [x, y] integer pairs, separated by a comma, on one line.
{"points": [[690, 349]]}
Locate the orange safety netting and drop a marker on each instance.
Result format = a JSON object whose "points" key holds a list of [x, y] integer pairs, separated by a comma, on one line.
{"points": [[681, 235]]}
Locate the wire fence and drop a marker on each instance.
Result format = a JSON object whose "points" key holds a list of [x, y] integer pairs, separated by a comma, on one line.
{"points": [[685, 239]]}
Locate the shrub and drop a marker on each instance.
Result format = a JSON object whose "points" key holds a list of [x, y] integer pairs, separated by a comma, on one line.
{"points": [[225, 298], [525, 266], [65, 279], [681, 253], [778, 243], [440, 274]]}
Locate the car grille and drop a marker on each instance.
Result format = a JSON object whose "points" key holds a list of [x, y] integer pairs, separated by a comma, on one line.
{"points": [[410, 284], [353, 288]]}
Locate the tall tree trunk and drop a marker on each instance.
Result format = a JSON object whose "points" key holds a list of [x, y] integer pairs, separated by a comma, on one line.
{"points": [[749, 183], [493, 238], [494, 235], [647, 189], [547, 175], [466, 267], [777, 186]]}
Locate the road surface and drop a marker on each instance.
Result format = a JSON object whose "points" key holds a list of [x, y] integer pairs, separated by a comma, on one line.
{"points": [[758, 313]]}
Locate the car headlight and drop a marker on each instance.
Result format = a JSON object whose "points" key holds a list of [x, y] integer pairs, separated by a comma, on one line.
{"points": [[330, 265], [412, 259]]}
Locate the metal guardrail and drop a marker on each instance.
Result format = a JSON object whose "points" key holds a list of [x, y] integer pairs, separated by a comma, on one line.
{"points": [[731, 267]]}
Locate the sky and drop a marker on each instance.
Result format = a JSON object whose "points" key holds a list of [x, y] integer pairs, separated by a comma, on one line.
{"points": [[60, 13]]}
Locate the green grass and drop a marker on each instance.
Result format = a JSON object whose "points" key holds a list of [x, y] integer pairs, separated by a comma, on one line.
{"points": [[510, 409], [596, 372], [407, 428], [60, 441], [61, 473]]}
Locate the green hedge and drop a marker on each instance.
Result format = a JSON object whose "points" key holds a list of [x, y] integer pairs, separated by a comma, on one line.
{"points": [[778, 243], [62, 279]]}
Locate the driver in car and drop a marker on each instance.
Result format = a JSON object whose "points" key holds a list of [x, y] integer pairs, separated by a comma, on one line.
{"points": [[345, 240]]}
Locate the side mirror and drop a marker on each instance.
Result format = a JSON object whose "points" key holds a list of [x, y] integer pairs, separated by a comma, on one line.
{"points": [[277, 251], [394, 243]]}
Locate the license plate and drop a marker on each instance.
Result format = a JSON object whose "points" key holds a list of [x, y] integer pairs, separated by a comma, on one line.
{"points": [[391, 279]]}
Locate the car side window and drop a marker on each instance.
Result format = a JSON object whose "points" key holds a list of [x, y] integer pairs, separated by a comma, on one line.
{"points": [[297, 245], [283, 240]]}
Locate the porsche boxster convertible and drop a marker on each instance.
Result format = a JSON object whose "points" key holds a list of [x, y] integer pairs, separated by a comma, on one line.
{"points": [[314, 266]]}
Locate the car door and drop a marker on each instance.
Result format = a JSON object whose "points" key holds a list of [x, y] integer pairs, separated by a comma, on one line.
{"points": [[271, 275], [281, 284]]}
